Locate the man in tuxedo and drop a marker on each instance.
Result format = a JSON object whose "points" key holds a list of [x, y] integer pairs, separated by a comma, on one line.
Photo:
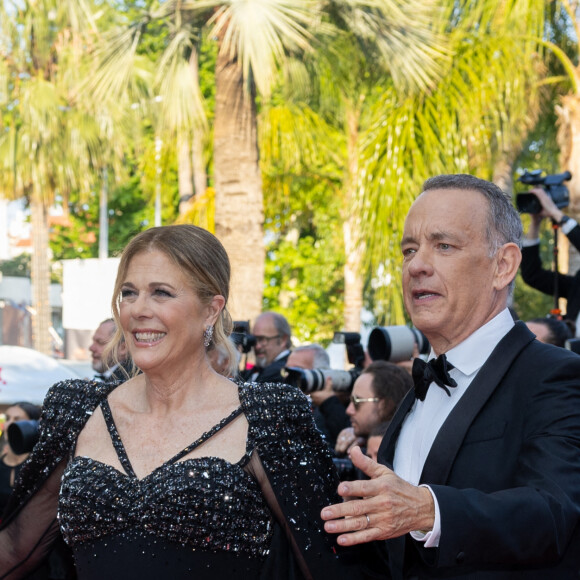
{"points": [[273, 342], [478, 475], [106, 369]]}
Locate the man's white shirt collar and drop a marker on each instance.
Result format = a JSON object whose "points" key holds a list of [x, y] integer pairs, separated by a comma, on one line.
{"points": [[282, 355], [470, 355]]}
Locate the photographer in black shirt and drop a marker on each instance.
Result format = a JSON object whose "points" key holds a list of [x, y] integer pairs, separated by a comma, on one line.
{"points": [[533, 273]]}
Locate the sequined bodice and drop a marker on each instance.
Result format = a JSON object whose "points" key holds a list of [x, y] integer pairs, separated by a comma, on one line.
{"points": [[202, 503]]}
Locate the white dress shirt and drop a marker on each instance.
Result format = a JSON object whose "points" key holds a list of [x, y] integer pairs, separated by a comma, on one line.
{"points": [[425, 418]]}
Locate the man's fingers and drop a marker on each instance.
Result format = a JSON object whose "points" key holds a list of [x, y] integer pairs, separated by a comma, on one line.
{"points": [[349, 524], [355, 530], [349, 509], [368, 535], [366, 464]]}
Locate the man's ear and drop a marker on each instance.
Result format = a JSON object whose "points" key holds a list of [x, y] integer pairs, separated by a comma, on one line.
{"points": [[508, 259]]}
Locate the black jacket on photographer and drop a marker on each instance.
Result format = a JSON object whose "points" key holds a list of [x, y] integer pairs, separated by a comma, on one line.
{"points": [[269, 374], [543, 280]]}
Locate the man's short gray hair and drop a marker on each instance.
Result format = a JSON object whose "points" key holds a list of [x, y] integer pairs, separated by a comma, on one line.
{"points": [[504, 224], [321, 359], [282, 327]]}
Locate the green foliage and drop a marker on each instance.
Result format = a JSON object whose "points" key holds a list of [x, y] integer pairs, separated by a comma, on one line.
{"points": [[128, 215], [166, 180], [474, 118], [529, 303], [18, 266], [305, 256]]}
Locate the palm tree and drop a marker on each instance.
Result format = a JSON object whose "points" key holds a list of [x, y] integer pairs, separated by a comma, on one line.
{"points": [[255, 40], [480, 111], [47, 143]]}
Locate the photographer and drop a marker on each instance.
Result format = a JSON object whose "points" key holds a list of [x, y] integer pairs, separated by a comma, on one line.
{"points": [[272, 346], [11, 462], [375, 396], [532, 272], [551, 330], [329, 413]]}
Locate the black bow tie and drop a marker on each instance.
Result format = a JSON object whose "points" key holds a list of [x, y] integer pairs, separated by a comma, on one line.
{"points": [[435, 371]]}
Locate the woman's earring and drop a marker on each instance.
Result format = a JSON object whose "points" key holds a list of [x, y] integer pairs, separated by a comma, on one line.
{"points": [[207, 335]]}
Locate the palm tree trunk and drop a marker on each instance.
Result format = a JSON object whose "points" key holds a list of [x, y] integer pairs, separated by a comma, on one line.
{"points": [[239, 211], [198, 162], [353, 280], [503, 174], [569, 141], [197, 143], [40, 277], [104, 216], [184, 173]]}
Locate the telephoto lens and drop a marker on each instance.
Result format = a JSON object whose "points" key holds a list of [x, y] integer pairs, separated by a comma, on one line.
{"points": [[396, 343], [22, 436]]}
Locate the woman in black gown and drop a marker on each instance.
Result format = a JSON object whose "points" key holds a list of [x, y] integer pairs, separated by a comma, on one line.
{"points": [[177, 471]]}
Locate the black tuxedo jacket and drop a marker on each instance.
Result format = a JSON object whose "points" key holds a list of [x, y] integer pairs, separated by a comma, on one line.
{"points": [[505, 469], [543, 280], [269, 374]]}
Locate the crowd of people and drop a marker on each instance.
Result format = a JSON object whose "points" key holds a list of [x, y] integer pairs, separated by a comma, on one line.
{"points": [[172, 462]]}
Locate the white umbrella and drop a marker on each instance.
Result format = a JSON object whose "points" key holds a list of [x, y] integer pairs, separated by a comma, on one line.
{"points": [[26, 374]]}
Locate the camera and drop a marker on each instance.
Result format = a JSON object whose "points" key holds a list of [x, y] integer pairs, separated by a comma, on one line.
{"points": [[396, 343], [23, 435], [389, 343], [309, 381], [346, 470], [553, 185], [241, 336]]}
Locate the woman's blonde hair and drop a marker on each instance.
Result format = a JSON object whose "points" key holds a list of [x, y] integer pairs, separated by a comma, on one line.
{"points": [[201, 257]]}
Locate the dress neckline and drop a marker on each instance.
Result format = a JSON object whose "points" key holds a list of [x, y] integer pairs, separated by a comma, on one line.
{"points": [[122, 452]]}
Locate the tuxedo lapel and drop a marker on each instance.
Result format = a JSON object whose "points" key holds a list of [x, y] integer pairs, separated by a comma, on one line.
{"points": [[450, 437], [387, 449]]}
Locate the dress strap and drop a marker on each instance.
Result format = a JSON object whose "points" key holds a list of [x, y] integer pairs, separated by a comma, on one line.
{"points": [[122, 453], [205, 436], [117, 443]]}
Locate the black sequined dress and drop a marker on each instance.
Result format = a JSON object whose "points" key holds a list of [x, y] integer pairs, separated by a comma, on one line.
{"points": [[190, 518], [202, 515]]}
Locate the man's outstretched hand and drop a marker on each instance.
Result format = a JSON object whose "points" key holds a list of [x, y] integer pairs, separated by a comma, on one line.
{"points": [[390, 507]]}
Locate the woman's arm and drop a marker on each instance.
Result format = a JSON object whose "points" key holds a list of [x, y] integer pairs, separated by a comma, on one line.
{"points": [[26, 539]]}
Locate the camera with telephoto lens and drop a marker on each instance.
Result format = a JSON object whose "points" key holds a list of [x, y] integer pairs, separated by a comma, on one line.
{"points": [[553, 185], [309, 381], [22, 436], [396, 343], [241, 336]]}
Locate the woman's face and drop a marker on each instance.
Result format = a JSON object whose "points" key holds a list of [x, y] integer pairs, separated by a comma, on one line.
{"points": [[13, 414], [161, 315]]}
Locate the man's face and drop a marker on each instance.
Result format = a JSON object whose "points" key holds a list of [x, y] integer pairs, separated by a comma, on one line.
{"points": [[301, 359], [451, 286], [269, 343], [367, 415], [101, 338]]}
